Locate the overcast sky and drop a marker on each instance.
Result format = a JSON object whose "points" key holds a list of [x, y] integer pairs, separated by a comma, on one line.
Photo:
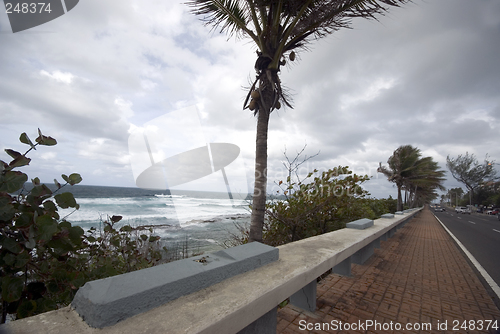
{"points": [[426, 74]]}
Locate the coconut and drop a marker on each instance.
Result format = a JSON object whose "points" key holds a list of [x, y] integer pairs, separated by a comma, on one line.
{"points": [[254, 94], [278, 105], [252, 105], [292, 56]]}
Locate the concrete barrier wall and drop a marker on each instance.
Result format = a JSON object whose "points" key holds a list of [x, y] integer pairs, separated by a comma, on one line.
{"points": [[104, 302], [244, 303]]}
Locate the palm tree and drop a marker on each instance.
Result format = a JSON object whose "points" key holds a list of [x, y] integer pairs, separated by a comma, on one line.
{"points": [[420, 177], [425, 178], [278, 28], [401, 166]]}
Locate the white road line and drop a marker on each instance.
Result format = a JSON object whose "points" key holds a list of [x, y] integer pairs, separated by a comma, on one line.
{"points": [[496, 230], [487, 277], [472, 222], [459, 218]]}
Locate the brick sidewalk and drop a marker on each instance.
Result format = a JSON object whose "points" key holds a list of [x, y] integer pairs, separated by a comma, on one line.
{"points": [[418, 276]]}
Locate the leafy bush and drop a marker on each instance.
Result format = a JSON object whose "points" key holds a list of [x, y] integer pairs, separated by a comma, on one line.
{"points": [[382, 206], [324, 204], [115, 251], [43, 258]]}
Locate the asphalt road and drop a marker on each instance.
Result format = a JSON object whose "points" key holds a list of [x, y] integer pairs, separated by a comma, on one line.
{"points": [[480, 234]]}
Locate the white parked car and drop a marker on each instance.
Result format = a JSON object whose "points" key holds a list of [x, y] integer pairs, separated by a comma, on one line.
{"points": [[462, 209], [465, 210]]}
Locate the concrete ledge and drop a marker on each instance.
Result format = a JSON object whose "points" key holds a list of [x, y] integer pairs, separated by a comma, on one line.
{"points": [[387, 215], [107, 301], [360, 224]]}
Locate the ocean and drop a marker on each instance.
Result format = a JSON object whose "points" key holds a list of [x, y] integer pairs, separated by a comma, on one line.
{"points": [[205, 220]]}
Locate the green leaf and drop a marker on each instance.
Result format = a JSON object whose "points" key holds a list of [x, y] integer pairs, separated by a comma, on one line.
{"points": [[78, 281], [7, 210], [74, 178], [19, 162], [50, 206], [22, 259], [9, 259], [31, 243], [24, 220], [12, 181], [13, 154], [154, 238], [75, 234], [52, 287], [116, 219], [126, 228], [45, 140], [115, 241], [65, 177], [35, 181], [65, 200], [47, 227], [26, 309], [26, 140], [48, 141], [41, 190], [60, 245], [65, 224], [10, 244], [144, 237], [45, 305], [12, 288], [3, 166]]}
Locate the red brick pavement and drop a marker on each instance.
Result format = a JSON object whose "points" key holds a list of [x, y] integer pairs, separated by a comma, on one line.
{"points": [[418, 276]]}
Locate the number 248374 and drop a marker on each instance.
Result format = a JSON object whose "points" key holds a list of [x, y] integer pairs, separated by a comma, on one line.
{"points": [[25, 7]]}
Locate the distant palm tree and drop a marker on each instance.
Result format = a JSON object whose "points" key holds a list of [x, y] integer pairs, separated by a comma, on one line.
{"points": [[425, 179], [401, 165], [420, 177], [278, 28]]}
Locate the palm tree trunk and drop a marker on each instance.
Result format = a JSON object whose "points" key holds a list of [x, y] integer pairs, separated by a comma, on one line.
{"points": [[414, 199], [400, 199], [260, 186]]}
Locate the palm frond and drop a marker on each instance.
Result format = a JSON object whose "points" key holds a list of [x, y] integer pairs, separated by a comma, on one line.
{"points": [[324, 17], [231, 16]]}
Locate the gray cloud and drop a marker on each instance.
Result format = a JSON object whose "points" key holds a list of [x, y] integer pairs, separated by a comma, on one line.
{"points": [[426, 74]]}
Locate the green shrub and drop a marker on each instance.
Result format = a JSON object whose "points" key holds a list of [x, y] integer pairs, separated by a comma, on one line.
{"points": [[324, 204], [43, 258], [319, 204]]}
